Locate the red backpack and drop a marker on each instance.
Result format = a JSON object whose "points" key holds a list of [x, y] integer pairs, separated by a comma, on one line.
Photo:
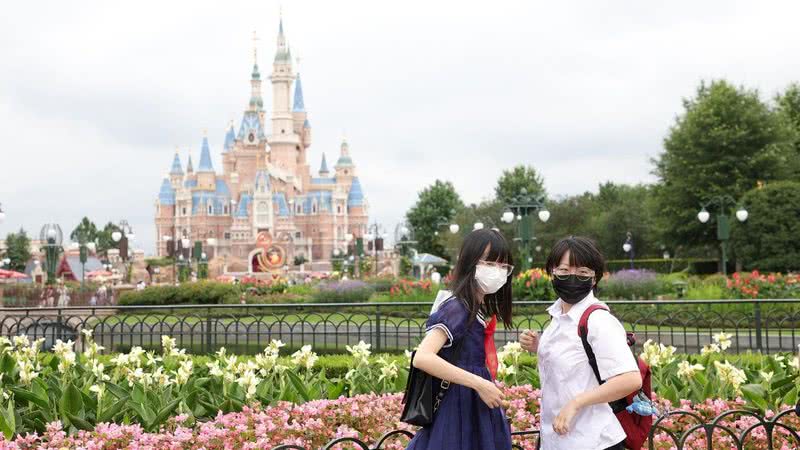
{"points": [[636, 427]]}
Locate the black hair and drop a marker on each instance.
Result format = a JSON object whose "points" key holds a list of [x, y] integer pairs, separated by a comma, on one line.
{"points": [[464, 286], [583, 252]]}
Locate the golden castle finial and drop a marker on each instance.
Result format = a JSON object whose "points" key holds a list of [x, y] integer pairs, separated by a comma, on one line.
{"points": [[255, 48]]}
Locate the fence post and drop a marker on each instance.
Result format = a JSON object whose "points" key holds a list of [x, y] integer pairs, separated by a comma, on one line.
{"points": [[757, 312], [208, 331], [377, 328]]}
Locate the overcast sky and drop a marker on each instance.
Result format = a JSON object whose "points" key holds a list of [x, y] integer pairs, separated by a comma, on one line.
{"points": [[95, 96]]}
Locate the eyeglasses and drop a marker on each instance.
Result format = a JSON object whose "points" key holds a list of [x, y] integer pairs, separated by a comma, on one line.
{"points": [[582, 273], [507, 267]]}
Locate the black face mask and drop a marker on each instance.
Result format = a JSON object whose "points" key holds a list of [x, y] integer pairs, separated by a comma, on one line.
{"points": [[572, 290]]}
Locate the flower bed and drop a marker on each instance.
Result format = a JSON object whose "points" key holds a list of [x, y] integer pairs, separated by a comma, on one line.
{"points": [[313, 424]]}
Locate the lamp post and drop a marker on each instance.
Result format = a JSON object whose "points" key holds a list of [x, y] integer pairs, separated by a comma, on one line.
{"points": [[52, 235], [628, 247], [376, 236], [521, 207], [122, 238], [723, 221], [202, 266]]}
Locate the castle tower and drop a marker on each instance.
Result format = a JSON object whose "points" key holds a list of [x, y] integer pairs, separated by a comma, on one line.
{"points": [[283, 142], [323, 168], [345, 169], [176, 172], [206, 177]]}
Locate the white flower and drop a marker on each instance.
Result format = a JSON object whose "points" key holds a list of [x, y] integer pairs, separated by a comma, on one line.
{"points": [[26, 371], [408, 355], [388, 369], [687, 370], [766, 376], [503, 370], [98, 389], [213, 369], [780, 360], [305, 357], [65, 354], [656, 355], [795, 363], [98, 370], [249, 381], [710, 349], [723, 339], [360, 352], [21, 341], [86, 333], [184, 372], [167, 344], [728, 373], [152, 359]]}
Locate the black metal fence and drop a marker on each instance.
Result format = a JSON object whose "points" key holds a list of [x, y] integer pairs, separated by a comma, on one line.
{"points": [[733, 429], [755, 325]]}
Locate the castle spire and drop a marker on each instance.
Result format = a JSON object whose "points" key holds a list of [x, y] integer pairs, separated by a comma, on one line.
{"points": [[205, 157], [176, 165], [230, 139], [256, 102], [189, 168], [299, 105], [323, 168]]}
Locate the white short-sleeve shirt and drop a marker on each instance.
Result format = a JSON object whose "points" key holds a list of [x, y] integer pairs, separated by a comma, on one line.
{"points": [[565, 373]]}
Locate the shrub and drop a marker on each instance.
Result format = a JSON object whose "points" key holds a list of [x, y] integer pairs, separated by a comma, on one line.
{"points": [[660, 265], [534, 284], [349, 291], [633, 284], [757, 285], [201, 293]]}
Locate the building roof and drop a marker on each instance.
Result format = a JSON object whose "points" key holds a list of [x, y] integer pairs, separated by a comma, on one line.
{"points": [[72, 263], [323, 180], [299, 105], [218, 199], [250, 123], [244, 203], [320, 198], [205, 157], [189, 167], [283, 207], [356, 195], [262, 179], [166, 196], [230, 139], [323, 168], [176, 165]]}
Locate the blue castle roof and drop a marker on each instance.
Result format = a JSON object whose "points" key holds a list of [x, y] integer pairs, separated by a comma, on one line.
{"points": [[176, 166], [205, 157], [230, 138], [323, 168], [283, 207], [299, 105], [244, 203], [356, 195], [166, 195]]}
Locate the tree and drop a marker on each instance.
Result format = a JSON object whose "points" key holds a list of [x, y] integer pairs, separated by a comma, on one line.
{"points": [[511, 182], [104, 239], [788, 106], [18, 250], [726, 141], [435, 203], [86, 231], [768, 239]]}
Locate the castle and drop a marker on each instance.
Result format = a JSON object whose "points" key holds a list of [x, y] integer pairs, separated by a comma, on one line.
{"points": [[266, 208]]}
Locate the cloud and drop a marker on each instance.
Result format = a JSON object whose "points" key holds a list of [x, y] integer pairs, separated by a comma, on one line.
{"points": [[95, 96]]}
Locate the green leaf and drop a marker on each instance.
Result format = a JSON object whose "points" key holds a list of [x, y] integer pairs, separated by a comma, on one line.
{"points": [[138, 395], [109, 413], [165, 412], [145, 413], [755, 394], [335, 390], [7, 364], [28, 396], [79, 423], [299, 386], [117, 391], [8, 421], [212, 410], [72, 401]]}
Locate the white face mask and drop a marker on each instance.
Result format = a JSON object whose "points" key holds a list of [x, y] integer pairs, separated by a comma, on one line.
{"points": [[490, 278]]}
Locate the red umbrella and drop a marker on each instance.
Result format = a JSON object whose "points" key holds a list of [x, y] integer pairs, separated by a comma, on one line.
{"points": [[6, 274]]}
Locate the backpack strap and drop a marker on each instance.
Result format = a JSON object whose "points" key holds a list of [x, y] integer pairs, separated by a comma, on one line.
{"points": [[583, 332]]}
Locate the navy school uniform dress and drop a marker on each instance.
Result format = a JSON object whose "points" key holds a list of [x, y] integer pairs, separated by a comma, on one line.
{"points": [[463, 421]]}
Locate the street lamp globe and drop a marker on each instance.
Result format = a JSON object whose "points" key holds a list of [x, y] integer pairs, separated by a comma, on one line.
{"points": [[742, 214], [369, 236], [454, 228], [519, 216], [166, 238], [203, 255], [405, 231], [130, 235], [2, 215], [544, 215], [477, 226], [185, 242], [703, 216], [348, 237], [116, 236], [336, 252], [627, 247], [666, 254], [507, 217]]}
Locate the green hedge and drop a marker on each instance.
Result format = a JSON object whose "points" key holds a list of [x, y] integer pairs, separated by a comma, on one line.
{"points": [[200, 293], [660, 265]]}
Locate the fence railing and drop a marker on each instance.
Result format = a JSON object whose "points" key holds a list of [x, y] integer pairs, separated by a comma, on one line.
{"points": [[732, 429], [755, 325]]}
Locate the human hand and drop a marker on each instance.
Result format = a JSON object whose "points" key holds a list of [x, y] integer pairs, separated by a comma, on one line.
{"points": [[529, 340], [563, 421], [490, 393]]}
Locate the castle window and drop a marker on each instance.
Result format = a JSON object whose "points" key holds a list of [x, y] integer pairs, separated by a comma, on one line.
{"points": [[346, 172], [210, 210], [183, 211], [313, 209], [299, 209], [227, 235], [338, 209], [297, 147], [225, 209], [298, 235]]}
